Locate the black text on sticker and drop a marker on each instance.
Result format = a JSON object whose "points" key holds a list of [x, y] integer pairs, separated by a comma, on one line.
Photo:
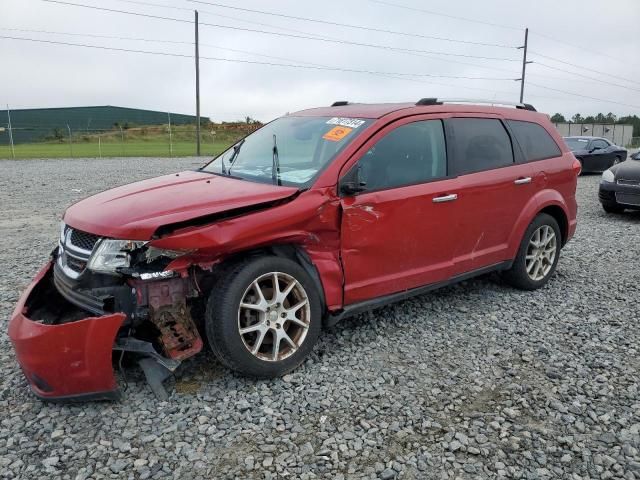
{"points": [[346, 122]]}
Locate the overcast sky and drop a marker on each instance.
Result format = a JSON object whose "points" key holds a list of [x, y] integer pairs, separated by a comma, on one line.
{"points": [[45, 75]]}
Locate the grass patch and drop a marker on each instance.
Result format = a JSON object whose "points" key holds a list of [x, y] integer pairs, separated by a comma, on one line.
{"points": [[148, 141]]}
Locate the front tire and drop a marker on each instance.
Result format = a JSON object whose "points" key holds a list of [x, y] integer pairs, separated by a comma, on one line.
{"points": [[263, 317], [538, 254]]}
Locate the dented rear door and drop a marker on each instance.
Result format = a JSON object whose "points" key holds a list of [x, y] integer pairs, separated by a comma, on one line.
{"points": [[493, 189]]}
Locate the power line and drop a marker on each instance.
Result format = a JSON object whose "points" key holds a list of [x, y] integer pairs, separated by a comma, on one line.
{"points": [[497, 25], [215, 14], [320, 39], [549, 37], [583, 96], [247, 52], [586, 76], [582, 67], [94, 35], [168, 54], [154, 40], [294, 36], [346, 25], [580, 79], [149, 4], [278, 27], [447, 60], [398, 76], [431, 12]]}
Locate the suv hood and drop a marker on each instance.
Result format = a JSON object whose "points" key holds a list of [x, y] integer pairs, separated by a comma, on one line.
{"points": [[137, 210]]}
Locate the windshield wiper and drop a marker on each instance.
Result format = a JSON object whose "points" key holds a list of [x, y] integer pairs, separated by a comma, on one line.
{"points": [[236, 151], [275, 169]]}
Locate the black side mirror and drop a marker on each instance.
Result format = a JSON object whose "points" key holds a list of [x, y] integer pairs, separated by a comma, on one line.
{"points": [[352, 183], [351, 188]]}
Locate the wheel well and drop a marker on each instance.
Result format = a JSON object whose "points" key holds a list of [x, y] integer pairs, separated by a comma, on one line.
{"points": [[292, 252], [558, 214]]}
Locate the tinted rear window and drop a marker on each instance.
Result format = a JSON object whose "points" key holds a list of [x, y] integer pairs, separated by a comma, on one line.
{"points": [[479, 144], [535, 142]]}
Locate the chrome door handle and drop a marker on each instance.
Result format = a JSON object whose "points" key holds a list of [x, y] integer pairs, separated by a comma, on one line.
{"points": [[445, 198], [522, 181]]}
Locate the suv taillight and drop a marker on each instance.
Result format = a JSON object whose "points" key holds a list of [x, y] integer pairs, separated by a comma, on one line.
{"points": [[577, 166]]}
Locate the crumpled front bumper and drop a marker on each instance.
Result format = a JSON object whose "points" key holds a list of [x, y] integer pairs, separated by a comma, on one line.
{"points": [[68, 361]]}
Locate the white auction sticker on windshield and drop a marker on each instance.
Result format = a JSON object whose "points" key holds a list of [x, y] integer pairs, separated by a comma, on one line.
{"points": [[346, 122]]}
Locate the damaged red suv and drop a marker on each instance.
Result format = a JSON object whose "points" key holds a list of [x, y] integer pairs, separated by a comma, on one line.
{"points": [[318, 215]]}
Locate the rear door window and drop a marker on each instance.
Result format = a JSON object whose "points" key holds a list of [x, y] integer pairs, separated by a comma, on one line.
{"points": [[479, 144], [534, 140]]}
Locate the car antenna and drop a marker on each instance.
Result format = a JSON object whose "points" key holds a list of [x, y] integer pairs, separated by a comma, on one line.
{"points": [[275, 171]]}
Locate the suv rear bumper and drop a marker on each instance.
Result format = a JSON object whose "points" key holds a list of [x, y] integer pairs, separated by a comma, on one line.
{"points": [[67, 361]]}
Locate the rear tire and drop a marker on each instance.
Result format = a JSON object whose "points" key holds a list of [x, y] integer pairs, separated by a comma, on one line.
{"points": [[537, 256], [613, 208], [263, 317]]}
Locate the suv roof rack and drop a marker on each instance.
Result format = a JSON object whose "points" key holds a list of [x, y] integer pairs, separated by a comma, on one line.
{"points": [[428, 101], [340, 103], [437, 101]]}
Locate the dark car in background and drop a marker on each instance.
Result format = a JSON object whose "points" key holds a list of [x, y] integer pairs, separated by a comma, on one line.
{"points": [[620, 186], [595, 154]]}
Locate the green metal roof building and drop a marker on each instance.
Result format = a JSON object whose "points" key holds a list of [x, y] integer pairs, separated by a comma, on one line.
{"points": [[36, 124]]}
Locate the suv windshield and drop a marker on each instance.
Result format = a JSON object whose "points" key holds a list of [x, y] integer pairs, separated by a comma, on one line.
{"points": [[303, 147], [576, 144]]}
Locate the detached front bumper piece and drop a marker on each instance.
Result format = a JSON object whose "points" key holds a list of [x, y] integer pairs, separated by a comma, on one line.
{"points": [[63, 355]]}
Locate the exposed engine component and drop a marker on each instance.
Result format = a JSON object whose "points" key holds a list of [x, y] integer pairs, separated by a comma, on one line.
{"points": [[168, 311]]}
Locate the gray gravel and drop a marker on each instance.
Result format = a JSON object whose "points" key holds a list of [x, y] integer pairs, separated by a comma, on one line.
{"points": [[474, 381]]}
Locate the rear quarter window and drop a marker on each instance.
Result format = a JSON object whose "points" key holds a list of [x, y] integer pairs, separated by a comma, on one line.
{"points": [[534, 140]]}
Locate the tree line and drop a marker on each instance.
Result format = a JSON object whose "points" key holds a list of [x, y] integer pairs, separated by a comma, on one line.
{"points": [[609, 118]]}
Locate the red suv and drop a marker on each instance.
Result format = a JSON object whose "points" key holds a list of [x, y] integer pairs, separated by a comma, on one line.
{"points": [[316, 216]]}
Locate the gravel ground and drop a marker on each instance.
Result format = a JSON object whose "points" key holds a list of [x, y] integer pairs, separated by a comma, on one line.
{"points": [[473, 381]]}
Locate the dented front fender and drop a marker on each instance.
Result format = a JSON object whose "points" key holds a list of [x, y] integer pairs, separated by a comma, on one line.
{"points": [[311, 221]]}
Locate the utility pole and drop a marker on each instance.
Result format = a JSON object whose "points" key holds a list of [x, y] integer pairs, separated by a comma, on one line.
{"points": [[13, 151], [70, 147], [170, 139], [121, 138], [524, 63], [197, 88]]}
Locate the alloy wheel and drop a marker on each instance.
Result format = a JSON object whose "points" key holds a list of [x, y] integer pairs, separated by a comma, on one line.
{"points": [[274, 316], [541, 253]]}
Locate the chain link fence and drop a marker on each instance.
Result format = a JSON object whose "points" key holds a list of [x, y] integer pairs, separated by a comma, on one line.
{"points": [[120, 141]]}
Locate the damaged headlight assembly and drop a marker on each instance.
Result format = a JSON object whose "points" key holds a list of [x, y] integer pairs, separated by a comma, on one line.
{"points": [[112, 256]]}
